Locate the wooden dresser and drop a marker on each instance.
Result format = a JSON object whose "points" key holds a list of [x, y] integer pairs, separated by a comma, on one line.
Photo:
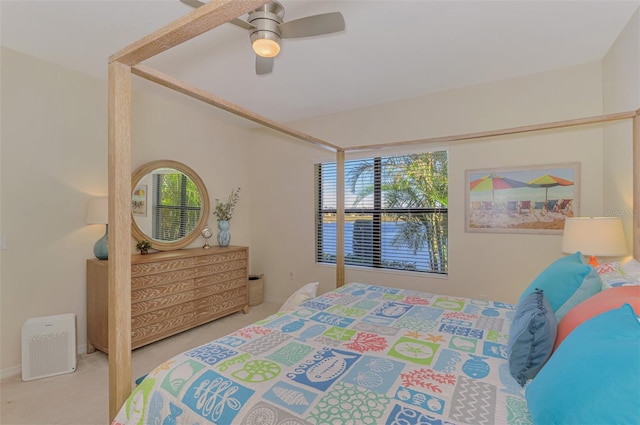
{"points": [[170, 292]]}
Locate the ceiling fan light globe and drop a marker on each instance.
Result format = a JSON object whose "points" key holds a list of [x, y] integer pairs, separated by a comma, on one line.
{"points": [[266, 47]]}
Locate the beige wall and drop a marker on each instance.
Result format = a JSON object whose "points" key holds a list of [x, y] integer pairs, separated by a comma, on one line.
{"points": [[53, 161], [497, 266], [54, 158], [621, 76]]}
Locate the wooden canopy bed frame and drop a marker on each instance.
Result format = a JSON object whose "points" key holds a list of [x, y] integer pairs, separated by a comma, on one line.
{"points": [[128, 61]]}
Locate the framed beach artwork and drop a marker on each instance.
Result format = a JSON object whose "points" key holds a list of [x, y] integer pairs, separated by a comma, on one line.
{"points": [[139, 201], [534, 199]]}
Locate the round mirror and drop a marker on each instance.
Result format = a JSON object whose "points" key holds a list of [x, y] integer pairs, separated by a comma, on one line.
{"points": [[169, 205]]}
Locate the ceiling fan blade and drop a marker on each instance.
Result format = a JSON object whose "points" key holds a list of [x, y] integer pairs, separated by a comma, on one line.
{"points": [[325, 23], [193, 3], [242, 24], [263, 65]]}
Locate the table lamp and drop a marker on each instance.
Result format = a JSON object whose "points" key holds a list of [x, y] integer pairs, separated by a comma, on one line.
{"points": [[98, 213], [594, 236]]}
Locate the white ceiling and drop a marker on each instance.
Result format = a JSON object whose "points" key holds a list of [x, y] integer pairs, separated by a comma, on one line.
{"points": [[390, 50]]}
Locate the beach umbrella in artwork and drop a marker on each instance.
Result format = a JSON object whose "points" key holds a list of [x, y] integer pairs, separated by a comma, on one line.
{"points": [[548, 181], [494, 182]]}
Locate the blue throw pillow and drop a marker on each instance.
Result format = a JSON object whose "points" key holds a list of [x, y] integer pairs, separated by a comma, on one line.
{"points": [[593, 376], [566, 283], [531, 337]]}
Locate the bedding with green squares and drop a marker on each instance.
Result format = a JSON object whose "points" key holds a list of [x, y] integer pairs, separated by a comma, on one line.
{"points": [[361, 354]]}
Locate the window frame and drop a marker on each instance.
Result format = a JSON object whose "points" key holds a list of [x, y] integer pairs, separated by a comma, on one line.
{"points": [[377, 212]]}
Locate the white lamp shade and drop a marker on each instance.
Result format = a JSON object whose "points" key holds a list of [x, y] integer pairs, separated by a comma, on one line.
{"points": [[597, 236], [98, 211]]}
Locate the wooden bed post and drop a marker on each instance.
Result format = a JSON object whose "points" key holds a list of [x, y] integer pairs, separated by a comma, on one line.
{"points": [[636, 186], [119, 269], [340, 218]]}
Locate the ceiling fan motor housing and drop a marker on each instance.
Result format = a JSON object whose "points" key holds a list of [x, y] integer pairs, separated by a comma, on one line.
{"points": [[266, 20]]}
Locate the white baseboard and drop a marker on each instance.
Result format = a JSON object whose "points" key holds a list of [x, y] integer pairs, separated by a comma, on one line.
{"points": [[17, 370], [10, 371]]}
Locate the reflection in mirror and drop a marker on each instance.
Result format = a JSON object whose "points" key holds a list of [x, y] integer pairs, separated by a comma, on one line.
{"points": [[169, 205], [174, 203]]}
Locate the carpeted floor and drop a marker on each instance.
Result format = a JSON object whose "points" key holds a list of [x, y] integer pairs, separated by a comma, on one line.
{"points": [[82, 397]]}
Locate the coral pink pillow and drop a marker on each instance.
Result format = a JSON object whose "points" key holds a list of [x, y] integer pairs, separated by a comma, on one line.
{"points": [[606, 300]]}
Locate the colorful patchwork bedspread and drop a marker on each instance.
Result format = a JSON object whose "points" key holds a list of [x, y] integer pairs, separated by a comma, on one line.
{"points": [[361, 354]]}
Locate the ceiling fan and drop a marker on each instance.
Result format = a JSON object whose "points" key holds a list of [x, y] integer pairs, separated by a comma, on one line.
{"points": [[267, 28]]}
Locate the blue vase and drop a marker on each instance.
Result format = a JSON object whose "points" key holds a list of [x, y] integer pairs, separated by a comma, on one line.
{"points": [[224, 237], [101, 247]]}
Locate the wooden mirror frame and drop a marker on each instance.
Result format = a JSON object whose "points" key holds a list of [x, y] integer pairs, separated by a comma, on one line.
{"points": [[204, 214]]}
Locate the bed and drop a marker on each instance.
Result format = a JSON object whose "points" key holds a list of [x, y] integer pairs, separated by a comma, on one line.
{"points": [[359, 354], [567, 353]]}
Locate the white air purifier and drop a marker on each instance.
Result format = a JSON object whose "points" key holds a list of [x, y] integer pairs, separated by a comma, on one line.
{"points": [[48, 346]]}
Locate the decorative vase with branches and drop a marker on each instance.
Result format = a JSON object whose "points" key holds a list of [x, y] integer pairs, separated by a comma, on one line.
{"points": [[223, 212]]}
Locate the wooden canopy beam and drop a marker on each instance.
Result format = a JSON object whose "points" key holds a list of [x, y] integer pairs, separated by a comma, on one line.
{"points": [[502, 132], [168, 81], [212, 14]]}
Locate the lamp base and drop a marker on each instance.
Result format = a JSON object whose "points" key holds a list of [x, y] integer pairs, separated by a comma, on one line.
{"points": [[592, 261], [101, 248]]}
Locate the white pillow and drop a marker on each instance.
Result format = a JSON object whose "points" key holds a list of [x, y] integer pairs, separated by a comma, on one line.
{"points": [[632, 268], [303, 294]]}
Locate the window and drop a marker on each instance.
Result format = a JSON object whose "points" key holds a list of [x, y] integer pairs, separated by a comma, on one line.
{"points": [[395, 212], [177, 204]]}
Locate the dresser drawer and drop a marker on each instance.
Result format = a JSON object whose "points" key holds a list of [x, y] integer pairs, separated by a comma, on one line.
{"points": [[158, 303], [220, 277], [205, 291], [220, 268], [163, 314], [161, 329], [160, 278], [211, 312], [220, 258], [160, 266], [222, 297], [158, 291]]}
